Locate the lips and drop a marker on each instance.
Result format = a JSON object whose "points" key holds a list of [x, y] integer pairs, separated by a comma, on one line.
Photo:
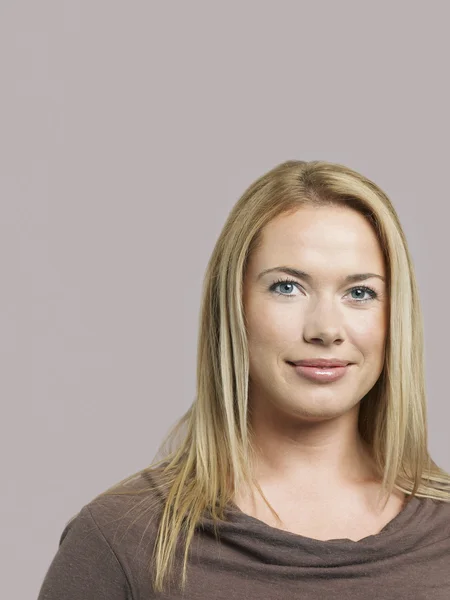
{"points": [[320, 363], [318, 373]]}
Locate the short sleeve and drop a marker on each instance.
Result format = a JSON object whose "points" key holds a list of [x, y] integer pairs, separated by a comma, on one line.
{"points": [[85, 566]]}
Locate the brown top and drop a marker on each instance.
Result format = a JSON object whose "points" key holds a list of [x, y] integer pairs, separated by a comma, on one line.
{"points": [[103, 558]]}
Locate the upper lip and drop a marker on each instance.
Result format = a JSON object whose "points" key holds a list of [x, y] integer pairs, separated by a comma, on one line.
{"points": [[321, 362]]}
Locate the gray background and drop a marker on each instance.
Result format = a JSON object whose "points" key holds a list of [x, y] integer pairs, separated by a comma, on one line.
{"points": [[127, 132]]}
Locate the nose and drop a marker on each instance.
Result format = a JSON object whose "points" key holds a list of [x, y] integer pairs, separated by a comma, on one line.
{"points": [[323, 323]]}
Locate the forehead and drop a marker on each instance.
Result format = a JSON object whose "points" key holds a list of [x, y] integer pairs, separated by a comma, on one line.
{"points": [[333, 236]]}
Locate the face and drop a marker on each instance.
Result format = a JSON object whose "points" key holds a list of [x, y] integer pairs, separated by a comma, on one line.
{"points": [[322, 314]]}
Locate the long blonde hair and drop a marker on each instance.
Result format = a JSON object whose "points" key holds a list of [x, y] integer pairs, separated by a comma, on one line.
{"points": [[214, 456]]}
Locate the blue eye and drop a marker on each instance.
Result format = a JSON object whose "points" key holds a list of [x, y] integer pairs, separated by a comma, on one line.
{"points": [[288, 282], [291, 282], [372, 293]]}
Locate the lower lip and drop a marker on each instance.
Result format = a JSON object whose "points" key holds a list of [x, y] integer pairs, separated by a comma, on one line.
{"points": [[318, 374]]}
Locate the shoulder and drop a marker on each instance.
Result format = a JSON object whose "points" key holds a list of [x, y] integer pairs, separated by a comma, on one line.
{"points": [[433, 516], [122, 512], [104, 550]]}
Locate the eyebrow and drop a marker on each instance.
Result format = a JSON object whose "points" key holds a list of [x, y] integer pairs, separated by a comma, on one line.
{"points": [[306, 277]]}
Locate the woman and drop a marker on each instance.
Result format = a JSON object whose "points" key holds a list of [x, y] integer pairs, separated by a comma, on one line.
{"points": [[303, 469]]}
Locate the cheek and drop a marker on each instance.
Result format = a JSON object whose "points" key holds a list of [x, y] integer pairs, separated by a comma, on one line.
{"points": [[272, 324], [368, 333]]}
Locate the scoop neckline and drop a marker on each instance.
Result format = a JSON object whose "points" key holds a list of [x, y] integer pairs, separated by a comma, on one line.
{"points": [[409, 507]]}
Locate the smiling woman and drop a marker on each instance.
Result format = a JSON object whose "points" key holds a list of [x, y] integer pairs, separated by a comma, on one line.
{"points": [[315, 316], [303, 468]]}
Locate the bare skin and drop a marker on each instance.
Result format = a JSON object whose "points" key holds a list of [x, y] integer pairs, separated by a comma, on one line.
{"points": [[312, 465]]}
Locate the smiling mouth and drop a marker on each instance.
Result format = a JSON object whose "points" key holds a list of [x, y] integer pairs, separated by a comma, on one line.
{"points": [[319, 364], [320, 374]]}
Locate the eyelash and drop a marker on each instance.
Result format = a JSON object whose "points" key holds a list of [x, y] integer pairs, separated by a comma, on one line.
{"points": [[366, 288]]}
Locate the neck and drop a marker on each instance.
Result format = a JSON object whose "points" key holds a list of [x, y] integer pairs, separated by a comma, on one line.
{"points": [[322, 454]]}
